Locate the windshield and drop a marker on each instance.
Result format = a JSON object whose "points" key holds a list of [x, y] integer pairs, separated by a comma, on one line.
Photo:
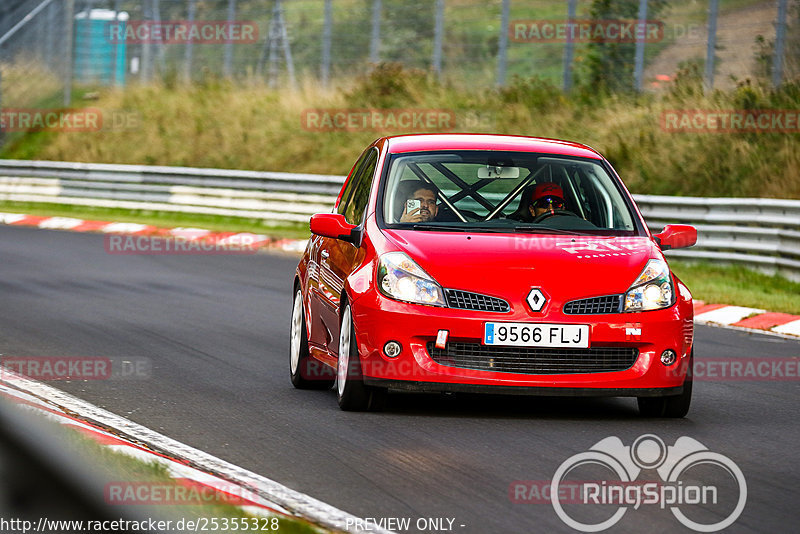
{"points": [[499, 191]]}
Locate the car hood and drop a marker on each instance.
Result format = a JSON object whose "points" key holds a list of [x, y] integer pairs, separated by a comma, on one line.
{"points": [[507, 264]]}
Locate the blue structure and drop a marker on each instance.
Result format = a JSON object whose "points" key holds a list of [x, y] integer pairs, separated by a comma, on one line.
{"points": [[99, 58]]}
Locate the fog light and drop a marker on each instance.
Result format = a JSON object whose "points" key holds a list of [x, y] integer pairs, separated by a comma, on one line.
{"points": [[392, 349], [668, 357]]}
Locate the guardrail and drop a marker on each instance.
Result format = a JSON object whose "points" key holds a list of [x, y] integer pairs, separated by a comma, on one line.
{"points": [[272, 196], [760, 233]]}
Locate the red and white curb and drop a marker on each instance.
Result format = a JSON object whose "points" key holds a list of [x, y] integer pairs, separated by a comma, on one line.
{"points": [[255, 241], [253, 493], [750, 319]]}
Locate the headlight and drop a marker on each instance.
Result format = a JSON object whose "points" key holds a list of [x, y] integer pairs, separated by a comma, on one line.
{"points": [[653, 289], [402, 279]]}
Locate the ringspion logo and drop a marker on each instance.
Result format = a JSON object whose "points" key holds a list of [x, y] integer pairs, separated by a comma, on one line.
{"points": [[696, 484]]}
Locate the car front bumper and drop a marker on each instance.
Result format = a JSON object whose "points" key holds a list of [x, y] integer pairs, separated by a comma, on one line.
{"points": [[379, 320]]}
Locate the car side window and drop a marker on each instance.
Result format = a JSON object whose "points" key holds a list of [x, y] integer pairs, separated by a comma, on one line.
{"points": [[351, 183], [357, 203]]}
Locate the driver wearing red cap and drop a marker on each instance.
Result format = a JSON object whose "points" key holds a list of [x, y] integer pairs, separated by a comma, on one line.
{"points": [[547, 198]]}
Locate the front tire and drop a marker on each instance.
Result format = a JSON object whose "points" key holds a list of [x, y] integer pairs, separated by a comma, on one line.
{"points": [[351, 391], [305, 371], [676, 406]]}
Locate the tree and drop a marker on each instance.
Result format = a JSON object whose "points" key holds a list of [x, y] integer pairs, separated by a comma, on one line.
{"points": [[609, 65]]}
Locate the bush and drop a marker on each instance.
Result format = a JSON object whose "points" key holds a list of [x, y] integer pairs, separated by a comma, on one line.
{"points": [[389, 85]]}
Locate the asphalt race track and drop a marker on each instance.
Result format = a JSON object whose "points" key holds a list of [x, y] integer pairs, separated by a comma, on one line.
{"points": [[215, 331]]}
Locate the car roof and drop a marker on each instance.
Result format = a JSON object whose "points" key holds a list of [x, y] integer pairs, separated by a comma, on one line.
{"points": [[517, 143]]}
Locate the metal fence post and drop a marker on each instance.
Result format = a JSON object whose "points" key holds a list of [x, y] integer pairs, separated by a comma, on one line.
{"points": [[271, 46], [287, 49], [780, 36], [69, 15], [712, 42], [188, 51], [438, 38], [226, 66], [638, 72], [569, 48], [502, 50], [115, 46], [49, 46], [147, 51], [326, 43], [375, 36], [40, 37], [158, 55], [83, 55]]}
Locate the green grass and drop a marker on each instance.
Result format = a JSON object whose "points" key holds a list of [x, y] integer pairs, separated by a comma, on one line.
{"points": [[719, 284], [163, 219], [253, 127]]}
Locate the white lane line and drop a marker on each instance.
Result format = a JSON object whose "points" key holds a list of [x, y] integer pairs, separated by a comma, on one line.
{"points": [[727, 315], [294, 501], [792, 328]]}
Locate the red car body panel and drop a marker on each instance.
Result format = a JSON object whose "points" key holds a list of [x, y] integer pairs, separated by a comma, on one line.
{"points": [[417, 143], [501, 265]]}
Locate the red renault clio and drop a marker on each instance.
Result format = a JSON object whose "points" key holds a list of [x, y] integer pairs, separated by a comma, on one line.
{"points": [[490, 263]]}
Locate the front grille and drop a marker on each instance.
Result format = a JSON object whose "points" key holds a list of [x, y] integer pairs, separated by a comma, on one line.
{"points": [[465, 300], [534, 361], [596, 305]]}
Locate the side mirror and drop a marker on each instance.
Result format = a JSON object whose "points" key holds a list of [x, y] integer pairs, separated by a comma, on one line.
{"points": [[333, 225], [676, 236]]}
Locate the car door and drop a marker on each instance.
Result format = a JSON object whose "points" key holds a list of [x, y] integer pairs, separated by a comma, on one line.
{"points": [[336, 258]]}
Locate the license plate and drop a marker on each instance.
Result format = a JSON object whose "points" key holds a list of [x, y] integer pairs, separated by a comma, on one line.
{"points": [[537, 335]]}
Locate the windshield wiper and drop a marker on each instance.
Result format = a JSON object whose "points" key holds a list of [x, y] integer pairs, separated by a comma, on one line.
{"points": [[545, 230], [466, 228], [422, 226]]}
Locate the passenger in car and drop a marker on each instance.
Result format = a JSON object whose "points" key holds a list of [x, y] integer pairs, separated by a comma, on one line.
{"points": [[419, 202]]}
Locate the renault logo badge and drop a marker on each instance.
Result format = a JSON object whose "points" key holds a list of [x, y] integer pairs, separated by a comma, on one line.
{"points": [[536, 299]]}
